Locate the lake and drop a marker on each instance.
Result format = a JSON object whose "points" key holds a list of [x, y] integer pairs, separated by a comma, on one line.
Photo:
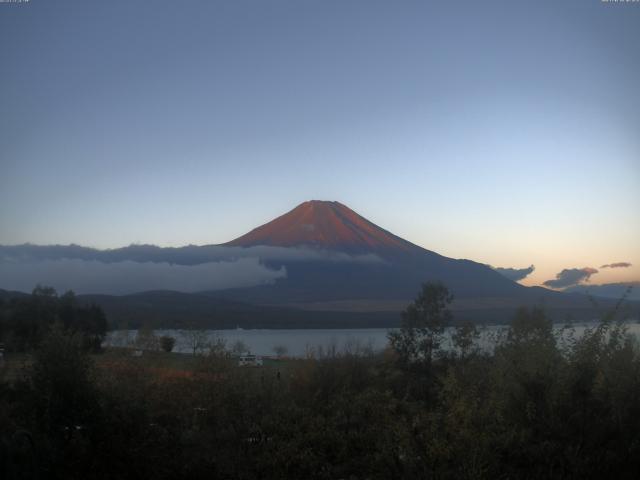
{"points": [[302, 342]]}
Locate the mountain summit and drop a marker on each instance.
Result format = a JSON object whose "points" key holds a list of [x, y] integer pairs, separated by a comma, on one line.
{"points": [[324, 224]]}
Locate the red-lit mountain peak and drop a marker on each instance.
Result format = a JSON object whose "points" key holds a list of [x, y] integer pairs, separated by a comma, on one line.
{"points": [[324, 224]]}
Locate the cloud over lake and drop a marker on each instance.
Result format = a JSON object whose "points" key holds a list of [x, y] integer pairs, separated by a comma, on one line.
{"points": [[119, 278], [138, 268]]}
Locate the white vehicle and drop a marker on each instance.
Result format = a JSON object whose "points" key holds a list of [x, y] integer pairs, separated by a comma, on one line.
{"points": [[249, 360]]}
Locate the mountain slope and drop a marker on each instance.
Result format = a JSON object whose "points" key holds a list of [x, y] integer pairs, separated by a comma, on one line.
{"points": [[401, 268]]}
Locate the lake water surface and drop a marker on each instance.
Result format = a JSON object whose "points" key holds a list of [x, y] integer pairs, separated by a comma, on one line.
{"points": [[303, 342]]}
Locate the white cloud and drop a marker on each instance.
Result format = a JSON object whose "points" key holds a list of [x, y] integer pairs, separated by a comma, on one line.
{"points": [[92, 276]]}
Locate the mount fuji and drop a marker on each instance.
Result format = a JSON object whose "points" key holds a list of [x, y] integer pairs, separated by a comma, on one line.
{"points": [[319, 264]]}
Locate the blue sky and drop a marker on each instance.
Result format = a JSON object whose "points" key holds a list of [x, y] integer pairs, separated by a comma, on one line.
{"points": [[505, 132]]}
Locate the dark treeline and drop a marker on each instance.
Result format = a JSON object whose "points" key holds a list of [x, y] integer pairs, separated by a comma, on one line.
{"points": [[538, 405], [175, 310], [26, 320]]}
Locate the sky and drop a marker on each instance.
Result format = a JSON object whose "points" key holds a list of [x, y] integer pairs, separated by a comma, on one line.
{"points": [[504, 132]]}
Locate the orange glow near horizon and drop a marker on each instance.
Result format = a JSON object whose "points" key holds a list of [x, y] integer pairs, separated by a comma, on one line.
{"points": [[549, 255]]}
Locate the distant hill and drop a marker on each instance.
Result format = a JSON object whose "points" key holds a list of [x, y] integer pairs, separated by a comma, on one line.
{"points": [[629, 290], [191, 310], [7, 295], [166, 309]]}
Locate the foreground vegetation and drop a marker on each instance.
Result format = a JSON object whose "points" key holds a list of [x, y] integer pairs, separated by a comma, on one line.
{"points": [[540, 405]]}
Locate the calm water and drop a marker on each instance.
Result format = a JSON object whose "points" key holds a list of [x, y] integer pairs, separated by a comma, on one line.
{"points": [[299, 343]]}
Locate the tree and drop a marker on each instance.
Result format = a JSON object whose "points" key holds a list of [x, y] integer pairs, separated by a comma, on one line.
{"points": [[147, 339], [423, 324], [527, 366], [122, 336], [167, 343], [464, 338], [89, 321], [44, 292], [62, 381], [197, 340], [239, 347], [27, 320], [280, 350], [217, 346]]}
